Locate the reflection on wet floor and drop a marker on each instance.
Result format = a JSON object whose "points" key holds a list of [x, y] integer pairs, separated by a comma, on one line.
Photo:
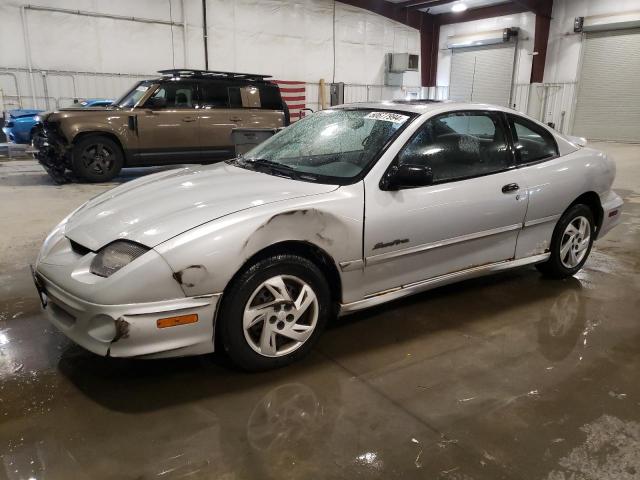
{"points": [[511, 376]]}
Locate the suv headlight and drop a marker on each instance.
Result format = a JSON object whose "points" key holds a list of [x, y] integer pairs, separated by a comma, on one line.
{"points": [[114, 256]]}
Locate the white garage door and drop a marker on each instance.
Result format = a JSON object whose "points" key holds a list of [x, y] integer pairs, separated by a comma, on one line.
{"points": [[608, 103], [482, 74]]}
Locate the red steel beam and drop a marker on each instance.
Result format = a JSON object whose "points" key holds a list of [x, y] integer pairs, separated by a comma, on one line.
{"points": [[417, 4], [429, 40], [481, 13], [541, 39], [390, 10]]}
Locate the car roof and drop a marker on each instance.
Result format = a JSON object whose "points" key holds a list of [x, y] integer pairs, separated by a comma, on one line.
{"points": [[423, 106]]}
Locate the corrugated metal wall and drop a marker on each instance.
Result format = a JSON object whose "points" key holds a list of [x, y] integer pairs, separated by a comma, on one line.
{"points": [[610, 59], [482, 74]]}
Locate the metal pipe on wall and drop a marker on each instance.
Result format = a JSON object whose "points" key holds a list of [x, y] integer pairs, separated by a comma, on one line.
{"points": [[45, 88], [82, 72], [85, 13], [184, 36], [27, 50], [63, 74], [15, 82], [204, 34]]}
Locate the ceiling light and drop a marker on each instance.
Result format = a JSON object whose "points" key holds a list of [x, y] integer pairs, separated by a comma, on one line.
{"points": [[458, 7]]}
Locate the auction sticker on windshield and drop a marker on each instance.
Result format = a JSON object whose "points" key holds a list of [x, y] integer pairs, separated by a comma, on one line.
{"points": [[387, 117]]}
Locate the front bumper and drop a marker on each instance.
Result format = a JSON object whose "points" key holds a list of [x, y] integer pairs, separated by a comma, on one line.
{"points": [[8, 132], [53, 152], [612, 213], [130, 330]]}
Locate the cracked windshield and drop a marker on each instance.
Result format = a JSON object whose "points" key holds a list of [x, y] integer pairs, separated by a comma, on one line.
{"points": [[331, 143]]}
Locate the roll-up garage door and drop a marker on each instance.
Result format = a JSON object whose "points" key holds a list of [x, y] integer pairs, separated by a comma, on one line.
{"points": [[482, 74], [608, 102]]}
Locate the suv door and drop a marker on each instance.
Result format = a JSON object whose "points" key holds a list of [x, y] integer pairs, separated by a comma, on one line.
{"points": [[168, 127], [469, 216], [225, 106]]}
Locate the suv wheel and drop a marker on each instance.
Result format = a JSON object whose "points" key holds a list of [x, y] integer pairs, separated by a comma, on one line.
{"points": [[571, 243], [274, 312], [97, 159]]}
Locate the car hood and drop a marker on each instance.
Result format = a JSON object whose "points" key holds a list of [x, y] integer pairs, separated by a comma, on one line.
{"points": [[155, 208], [80, 108], [25, 112]]}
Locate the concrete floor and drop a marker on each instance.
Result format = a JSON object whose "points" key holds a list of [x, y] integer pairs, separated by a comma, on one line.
{"points": [[511, 376]]}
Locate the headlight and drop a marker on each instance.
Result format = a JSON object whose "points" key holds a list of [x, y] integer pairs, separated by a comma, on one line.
{"points": [[37, 119], [115, 256]]}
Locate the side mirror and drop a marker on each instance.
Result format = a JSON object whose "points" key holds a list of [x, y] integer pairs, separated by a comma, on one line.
{"points": [[155, 103], [407, 176]]}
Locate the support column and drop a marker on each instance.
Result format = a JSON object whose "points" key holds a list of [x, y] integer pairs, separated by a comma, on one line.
{"points": [[540, 45], [429, 39]]}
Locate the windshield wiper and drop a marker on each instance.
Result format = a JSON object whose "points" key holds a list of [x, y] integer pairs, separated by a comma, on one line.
{"points": [[275, 167]]}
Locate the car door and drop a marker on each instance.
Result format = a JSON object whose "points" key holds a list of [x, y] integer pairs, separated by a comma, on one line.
{"points": [[469, 216], [551, 180], [225, 107], [217, 120], [168, 127]]}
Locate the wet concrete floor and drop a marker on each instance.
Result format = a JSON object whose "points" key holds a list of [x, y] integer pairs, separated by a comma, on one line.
{"points": [[511, 376]]}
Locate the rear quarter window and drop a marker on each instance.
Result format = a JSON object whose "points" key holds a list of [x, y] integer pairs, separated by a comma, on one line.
{"points": [[532, 142]]}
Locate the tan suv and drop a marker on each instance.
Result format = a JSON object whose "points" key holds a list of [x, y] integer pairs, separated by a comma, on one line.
{"points": [[185, 116]]}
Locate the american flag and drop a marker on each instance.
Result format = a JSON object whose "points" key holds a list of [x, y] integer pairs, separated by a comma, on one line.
{"points": [[295, 96]]}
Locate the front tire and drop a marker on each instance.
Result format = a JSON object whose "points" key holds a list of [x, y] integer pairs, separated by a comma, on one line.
{"points": [[274, 312], [571, 243], [97, 158]]}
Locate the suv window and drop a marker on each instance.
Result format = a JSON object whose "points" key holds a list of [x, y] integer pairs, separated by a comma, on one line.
{"points": [[270, 97], [532, 142], [173, 95], [214, 95], [459, 145], [264, 96]]}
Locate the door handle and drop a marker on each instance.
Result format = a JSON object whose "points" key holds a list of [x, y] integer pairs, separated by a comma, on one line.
{"points": [[235, 119], [189, 119], [510, 187]]}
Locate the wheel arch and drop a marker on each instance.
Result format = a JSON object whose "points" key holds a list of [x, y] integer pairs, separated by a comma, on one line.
{"points": [[592, 200], [100, 133], [305, 249]]}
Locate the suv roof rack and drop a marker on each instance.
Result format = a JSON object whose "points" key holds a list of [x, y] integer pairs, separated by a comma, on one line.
{"points": [[183, 72]]}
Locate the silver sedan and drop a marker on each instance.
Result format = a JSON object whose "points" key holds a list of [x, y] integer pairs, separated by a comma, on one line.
{"points": [[348, 208]]}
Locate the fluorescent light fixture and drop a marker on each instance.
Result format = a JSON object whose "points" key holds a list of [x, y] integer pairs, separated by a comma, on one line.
{"points": [[458, 7]]}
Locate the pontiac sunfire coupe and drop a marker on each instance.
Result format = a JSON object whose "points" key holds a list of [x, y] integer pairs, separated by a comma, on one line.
{"points": [[348, 208]]}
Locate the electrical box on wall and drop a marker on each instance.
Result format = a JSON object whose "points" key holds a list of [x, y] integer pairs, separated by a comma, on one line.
{"points": [[336, 93], [405, 79], [402, 62]]}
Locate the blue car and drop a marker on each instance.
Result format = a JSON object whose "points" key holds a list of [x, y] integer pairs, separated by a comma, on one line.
{"points": [[95, 102], [19, 123]]}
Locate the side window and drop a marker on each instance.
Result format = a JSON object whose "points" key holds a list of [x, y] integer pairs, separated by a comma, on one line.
{"points": [[244, 97], [459, 145], [270, 97], [213, 95], [172, 95], [532, 142]]}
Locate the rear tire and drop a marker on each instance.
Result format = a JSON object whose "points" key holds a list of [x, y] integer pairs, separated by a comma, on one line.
{"points": [[96, 158], [274, 312], [571, 243]]}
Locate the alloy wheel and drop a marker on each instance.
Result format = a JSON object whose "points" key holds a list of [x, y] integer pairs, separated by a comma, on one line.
{"points": [[575, 242], [280, 316], [98, 158]]}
